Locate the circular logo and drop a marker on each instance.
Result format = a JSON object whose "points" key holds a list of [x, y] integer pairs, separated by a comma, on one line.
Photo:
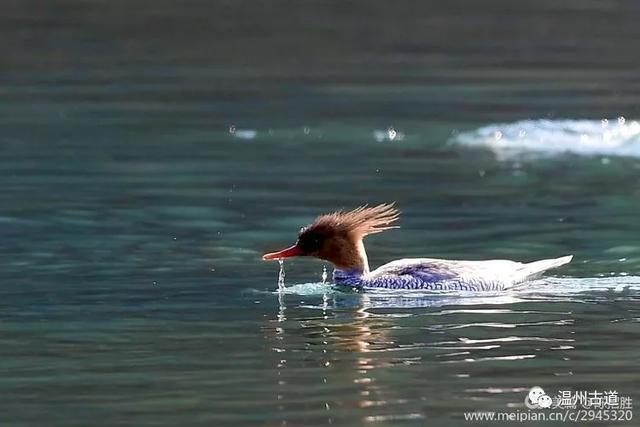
{"points": [[545, 401], [537, 399]]}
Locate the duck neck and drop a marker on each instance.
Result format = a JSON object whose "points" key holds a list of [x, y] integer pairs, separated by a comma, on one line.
{"points": [[351, 258], [363, 265]]}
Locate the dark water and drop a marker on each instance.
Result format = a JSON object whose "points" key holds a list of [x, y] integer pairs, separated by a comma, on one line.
{"points": [[132, 220]]}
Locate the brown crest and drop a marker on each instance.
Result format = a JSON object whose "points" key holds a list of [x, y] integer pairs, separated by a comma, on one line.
{"points": [[361, 221]]}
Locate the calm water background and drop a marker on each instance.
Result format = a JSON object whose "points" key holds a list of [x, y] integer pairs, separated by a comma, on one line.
{"points": [[132, 220]]}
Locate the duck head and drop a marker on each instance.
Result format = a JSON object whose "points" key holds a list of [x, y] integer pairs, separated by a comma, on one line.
{"points": [[337, 237]]}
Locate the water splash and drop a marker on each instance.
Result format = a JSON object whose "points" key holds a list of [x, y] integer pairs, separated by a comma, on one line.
{"points": [[312, 288], [281, 291], [242, 133], [324, 274], [281, 276], [390, 134], [549, 288], [619, 137]]}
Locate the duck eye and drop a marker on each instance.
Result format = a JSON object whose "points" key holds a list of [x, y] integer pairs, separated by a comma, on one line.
{"points": [[310, 243]]}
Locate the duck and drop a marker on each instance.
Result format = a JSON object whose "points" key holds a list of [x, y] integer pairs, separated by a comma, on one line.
{"points": [[338, 238]]}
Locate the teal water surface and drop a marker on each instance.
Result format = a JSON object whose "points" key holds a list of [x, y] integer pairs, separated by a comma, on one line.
{"points": [[151, 152]]}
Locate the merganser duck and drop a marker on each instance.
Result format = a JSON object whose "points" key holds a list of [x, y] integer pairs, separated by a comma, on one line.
{"points": [[337, 238]]}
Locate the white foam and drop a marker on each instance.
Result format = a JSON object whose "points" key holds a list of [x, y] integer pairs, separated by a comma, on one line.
{"points": [[390, 134], [619, 137], [242, 133]]}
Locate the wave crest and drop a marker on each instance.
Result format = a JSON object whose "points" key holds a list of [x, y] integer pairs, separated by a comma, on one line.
{"points": [[619, 137]]}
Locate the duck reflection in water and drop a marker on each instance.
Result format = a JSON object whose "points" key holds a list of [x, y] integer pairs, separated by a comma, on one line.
{"points": [[351, 341]]}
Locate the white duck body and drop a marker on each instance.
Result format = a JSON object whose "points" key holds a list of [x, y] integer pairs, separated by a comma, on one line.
{"points": [[440, 274]]}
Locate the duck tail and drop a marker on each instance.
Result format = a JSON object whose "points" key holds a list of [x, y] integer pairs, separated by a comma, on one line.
{"points": [[533, 270]]}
